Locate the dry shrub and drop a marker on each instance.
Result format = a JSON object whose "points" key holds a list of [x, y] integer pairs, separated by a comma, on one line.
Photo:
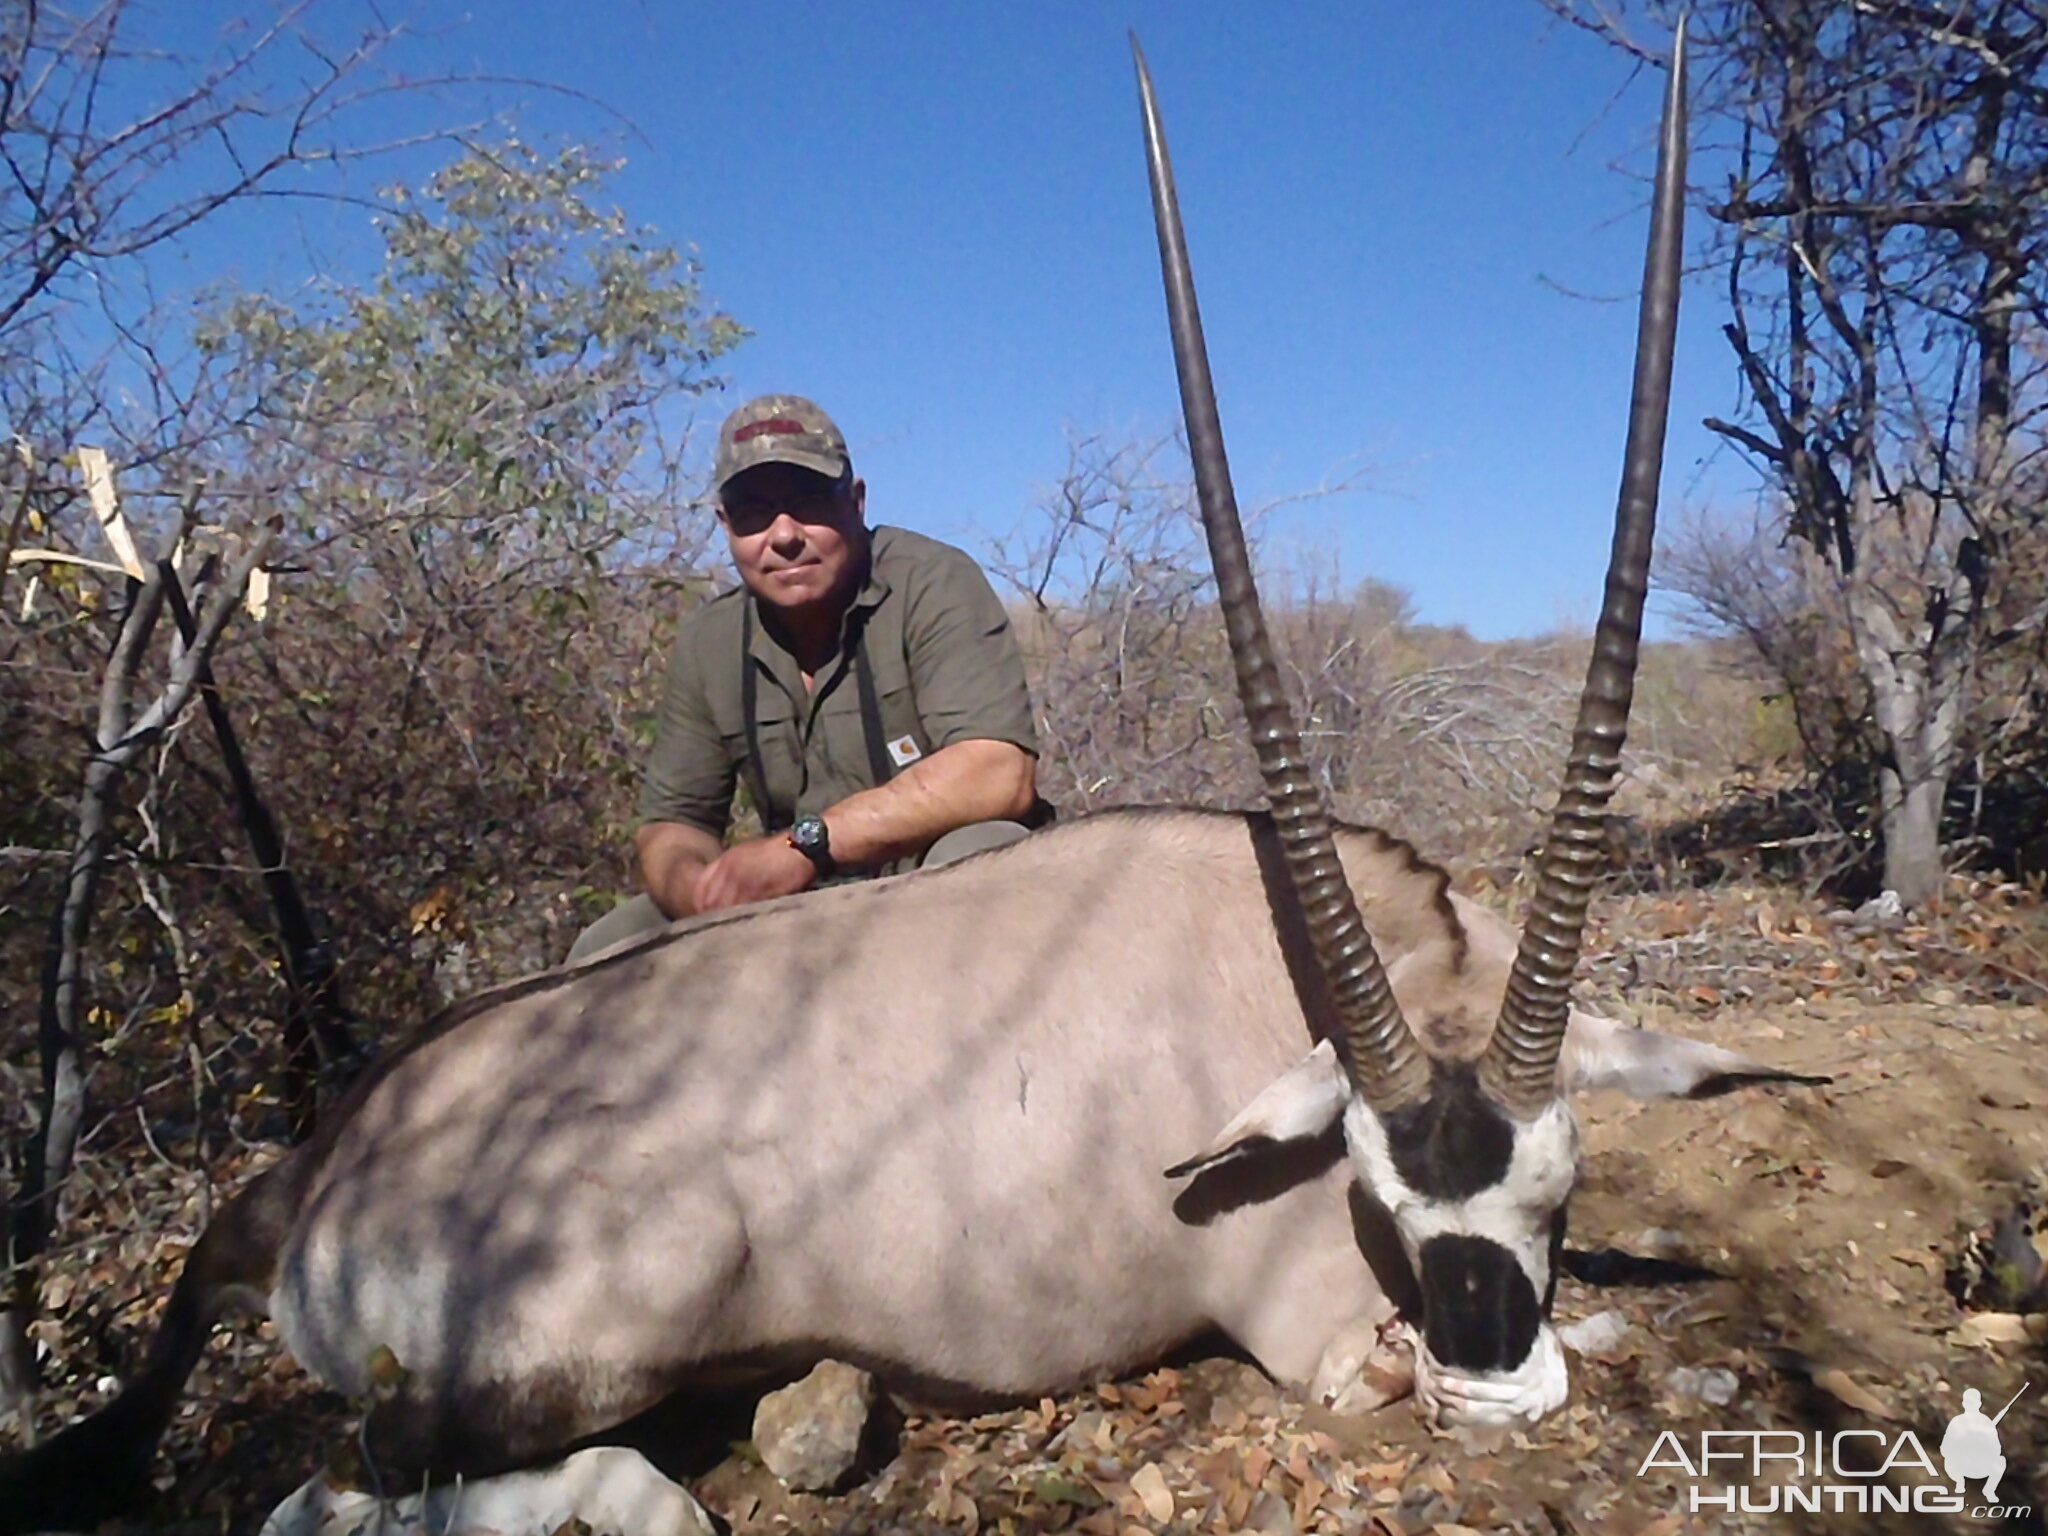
{"points": [[1454, 744]]}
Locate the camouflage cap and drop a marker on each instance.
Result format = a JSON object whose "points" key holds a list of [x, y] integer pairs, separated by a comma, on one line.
{"points": [[780, 429]]}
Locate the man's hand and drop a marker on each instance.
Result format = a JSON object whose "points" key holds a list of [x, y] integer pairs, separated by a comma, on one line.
{"points": [[759, 870]]}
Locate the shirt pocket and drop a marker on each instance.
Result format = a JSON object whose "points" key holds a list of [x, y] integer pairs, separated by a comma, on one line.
{"points": [[843, 731], [904, 737]]}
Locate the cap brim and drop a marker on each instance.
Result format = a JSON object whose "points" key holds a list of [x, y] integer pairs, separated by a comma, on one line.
{"points": [[831, 466]]}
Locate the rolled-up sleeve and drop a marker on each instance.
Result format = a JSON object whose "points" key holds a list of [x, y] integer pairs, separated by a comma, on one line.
{"points": [[964, 659], [690, 775]]}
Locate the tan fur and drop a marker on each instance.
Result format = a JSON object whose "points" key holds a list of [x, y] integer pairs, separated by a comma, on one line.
{"points": [[855, 1123]]}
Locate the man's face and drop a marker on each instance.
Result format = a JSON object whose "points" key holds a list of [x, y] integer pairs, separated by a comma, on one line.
{"points": [[797, 537]]}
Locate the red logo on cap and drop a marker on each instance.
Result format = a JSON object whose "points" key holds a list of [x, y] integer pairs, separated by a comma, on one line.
{"points": [[778, 425]]}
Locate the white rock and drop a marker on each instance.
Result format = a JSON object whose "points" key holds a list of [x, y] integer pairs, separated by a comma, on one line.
{"points": [[1710, 1384], [1595, 1335], [614, 1491]]}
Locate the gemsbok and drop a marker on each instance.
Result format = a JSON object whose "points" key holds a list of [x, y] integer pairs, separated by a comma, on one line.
{"points": [[920, 1124]]}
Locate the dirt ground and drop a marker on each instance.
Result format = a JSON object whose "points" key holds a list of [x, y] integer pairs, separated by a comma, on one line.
{"points": [[1829, 1216]]}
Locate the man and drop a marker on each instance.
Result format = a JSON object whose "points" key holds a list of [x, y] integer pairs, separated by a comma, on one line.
{"points": [[863, 684]]}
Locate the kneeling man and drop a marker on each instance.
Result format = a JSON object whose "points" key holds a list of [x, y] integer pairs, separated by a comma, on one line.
{"points": [[862, 683]]}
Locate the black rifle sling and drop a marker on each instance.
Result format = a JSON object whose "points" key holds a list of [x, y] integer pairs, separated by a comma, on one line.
{"points": [[881, 766], [750, 698]]}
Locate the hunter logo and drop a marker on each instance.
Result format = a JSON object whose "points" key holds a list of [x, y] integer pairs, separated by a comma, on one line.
{"points": [[904, 751], [1860, 1471], [1970, 1447]]}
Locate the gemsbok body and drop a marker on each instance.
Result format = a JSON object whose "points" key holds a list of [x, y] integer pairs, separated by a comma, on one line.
{"points": [[921, 1124]]}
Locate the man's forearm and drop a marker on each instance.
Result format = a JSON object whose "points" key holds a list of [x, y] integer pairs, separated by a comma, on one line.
{"points": [[967, 782], [672, 855]]}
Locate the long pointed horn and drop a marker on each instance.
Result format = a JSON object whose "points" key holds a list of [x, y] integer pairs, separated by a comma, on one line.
{"points": [[1519, 1068], [1380, 1054]]}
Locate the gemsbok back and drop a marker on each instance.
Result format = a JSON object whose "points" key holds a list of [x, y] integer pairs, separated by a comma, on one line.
{"points": [[920, 1124]]}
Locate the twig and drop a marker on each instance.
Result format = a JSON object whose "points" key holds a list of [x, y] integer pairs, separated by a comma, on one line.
{"points": [[316, 1024]]}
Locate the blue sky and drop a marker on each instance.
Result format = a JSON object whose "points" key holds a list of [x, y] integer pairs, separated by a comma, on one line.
{"points": [[934, 219]]}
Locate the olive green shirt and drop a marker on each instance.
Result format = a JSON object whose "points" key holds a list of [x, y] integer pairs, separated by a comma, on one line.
{"points": [[946, 669]]}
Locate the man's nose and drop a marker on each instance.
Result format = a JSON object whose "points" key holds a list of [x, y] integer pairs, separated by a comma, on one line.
{"points": [[786, 533]]}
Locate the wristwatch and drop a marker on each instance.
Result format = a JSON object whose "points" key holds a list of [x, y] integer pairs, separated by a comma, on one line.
{"points": [[810, 837]]}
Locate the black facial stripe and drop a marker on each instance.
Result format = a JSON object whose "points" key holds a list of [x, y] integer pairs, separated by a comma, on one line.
{"points": [[1479, 1310], [1453, 1144]]}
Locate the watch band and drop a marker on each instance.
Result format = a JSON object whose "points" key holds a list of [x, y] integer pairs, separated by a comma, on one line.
{"points": [[810, 837]]}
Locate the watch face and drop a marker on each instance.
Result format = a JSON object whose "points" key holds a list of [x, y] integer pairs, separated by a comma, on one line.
{"points": [[809, 834]]}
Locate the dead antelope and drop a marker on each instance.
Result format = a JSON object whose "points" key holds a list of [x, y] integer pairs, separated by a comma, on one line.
{"points": [[919, 1124]]}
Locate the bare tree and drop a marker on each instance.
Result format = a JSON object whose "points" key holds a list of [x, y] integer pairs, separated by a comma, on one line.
{"points": [[95, 167], [114, 144], [1880, 230], [123, 734]]}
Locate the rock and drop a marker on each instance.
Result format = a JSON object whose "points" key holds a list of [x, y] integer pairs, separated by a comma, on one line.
{"points": [[1599, 1334], [1660, 1243], [809, 1434], [1884, 908], [613, 1491], [1710, 1384]]}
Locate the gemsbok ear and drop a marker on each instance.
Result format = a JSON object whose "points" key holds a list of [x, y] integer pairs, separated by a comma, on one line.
{"points": [[1304, 1103], [1600, 1053]]}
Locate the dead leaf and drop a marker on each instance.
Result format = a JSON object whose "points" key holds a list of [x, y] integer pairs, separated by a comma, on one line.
{"points": [[2000, 1330], [1237, 1504], [1149, 1484], [1438, 1476], [431, 910], [1257, 1462], [1885, 1167], [1844, 1388], [1059, 1488], [1297, 1462], [1306, 1501]]}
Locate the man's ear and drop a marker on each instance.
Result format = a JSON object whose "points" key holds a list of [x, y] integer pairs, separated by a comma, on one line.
{"points": [[1599, 1053], [1299, 1106]]}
